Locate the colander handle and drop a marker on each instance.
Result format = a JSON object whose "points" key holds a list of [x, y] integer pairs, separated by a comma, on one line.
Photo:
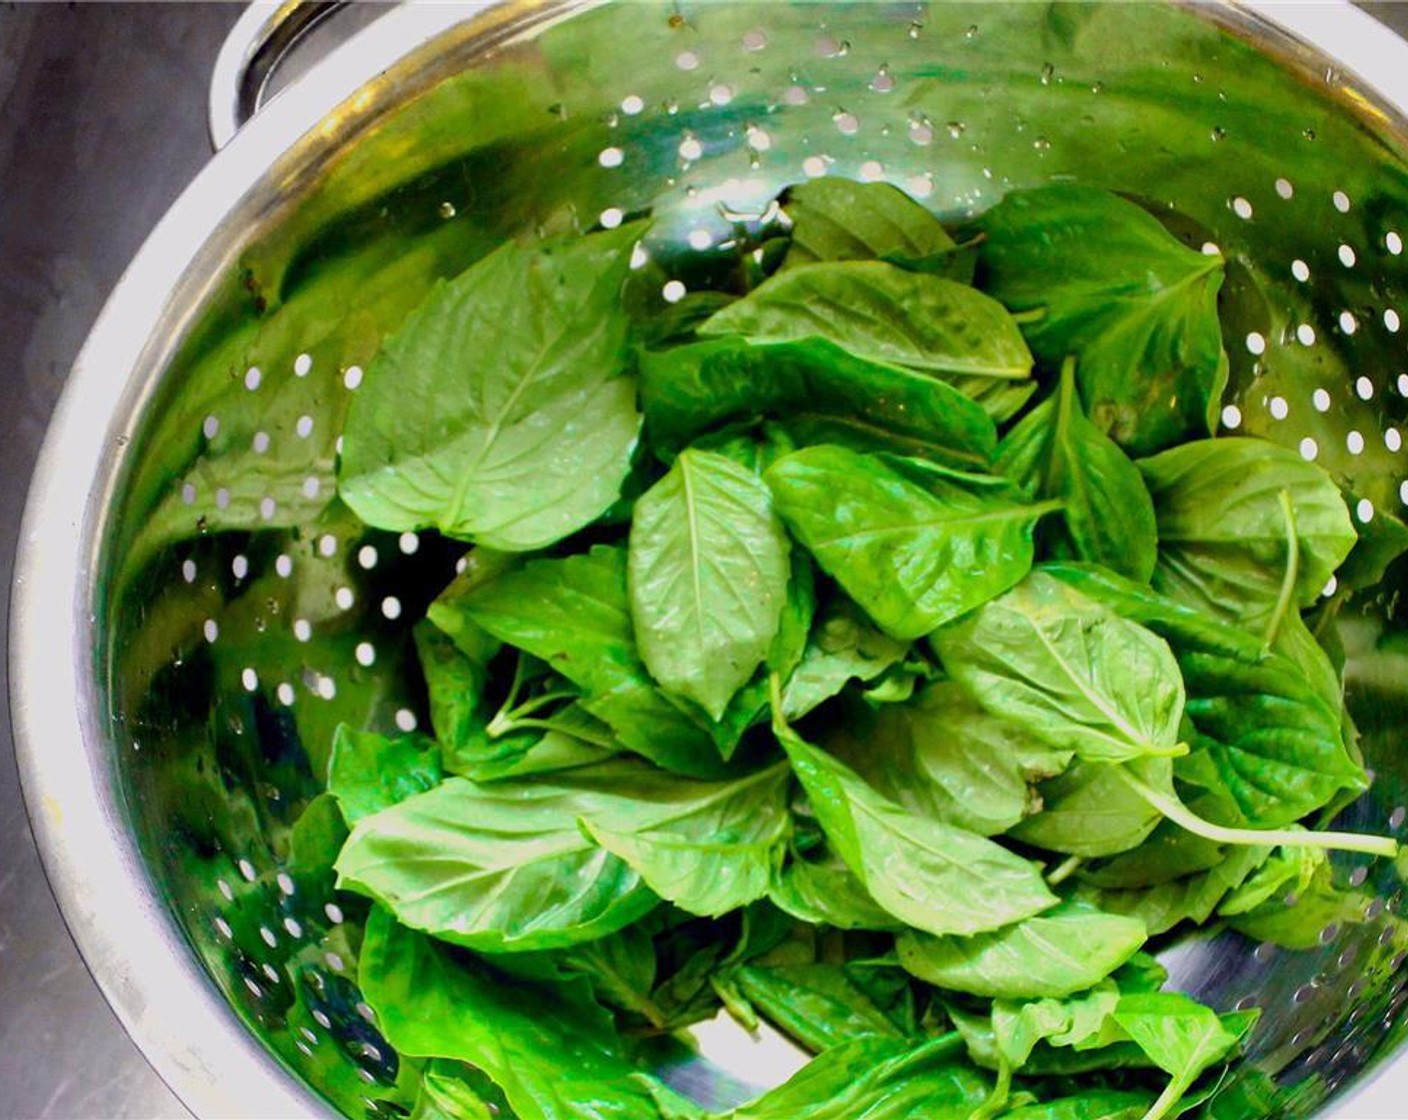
{"points": [[256, 46]]}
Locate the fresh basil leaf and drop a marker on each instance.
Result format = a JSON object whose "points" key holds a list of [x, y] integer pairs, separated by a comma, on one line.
{"points": [[496, 413], [842, 220], [1068, 670], [881, 313], [454, 684], [1296, 918], [1045, 1060], [430, 1004], [913, 556], [1135, 307], [944, 757], [1192, 898], [620, 969], [1223, 532], [1181, 1037], [1289, 871], [1090, 811], [569, 738], [689, 389], [370, 772], [1169, 853], [574, 614], [822, 890], [823, 1005], [877, 1078], [314, 841], [1107, 514], [935, 877], [1077, 1021], [708, 572], [447, 1093], [1053, 954], [843, 646], [1095, 1104], [1000, 398]]}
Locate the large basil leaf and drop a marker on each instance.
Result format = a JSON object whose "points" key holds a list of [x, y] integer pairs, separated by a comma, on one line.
{"points": [[1136, 308], [1181, 1037], [938, 878], [689, 389], [943, 756], [876, 1078], [574, 614], [708, 570], [1090, 811], [825, 1005], [1223, 532], [837, 219], [429, 1004], [1069, 670], [913, 555], [369, 772], [1064, 950], [881, 313], [496, 412], [843, 646], [516, 865], [1107, 514]]}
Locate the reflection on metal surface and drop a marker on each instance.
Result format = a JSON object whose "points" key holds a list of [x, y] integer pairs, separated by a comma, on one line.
{"points": [[224, 598]]}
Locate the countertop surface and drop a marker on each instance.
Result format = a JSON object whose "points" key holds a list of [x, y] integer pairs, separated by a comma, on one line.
{"points": [[102, 123]]}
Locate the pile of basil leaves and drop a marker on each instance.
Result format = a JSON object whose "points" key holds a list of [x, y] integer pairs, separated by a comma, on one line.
{"points": [[873, 643]]}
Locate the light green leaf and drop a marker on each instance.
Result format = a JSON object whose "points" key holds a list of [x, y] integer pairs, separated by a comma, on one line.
{"points": [[1136, 308], [1069, 670], [707, 573], [843, 646], [913, 555], [1107, 514], [1090, 811], [837, 219], [935, 877], [824, 891], [1062, 951], [369, 772], [496, 413]]}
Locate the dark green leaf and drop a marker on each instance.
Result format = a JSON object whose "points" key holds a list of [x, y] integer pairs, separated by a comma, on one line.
{"points": [[1069, 670], [938, 878], [496, 413], [455, 684], [1107, 513], [571, 737], [943, 756], [1223, 532], [841, 220], [1054, 954], [429, 1004], [1382, 540], [690, 389], [1135, 307], [881, 313], [370, 772], [823, 1005], [708, 572], [913, 556]]}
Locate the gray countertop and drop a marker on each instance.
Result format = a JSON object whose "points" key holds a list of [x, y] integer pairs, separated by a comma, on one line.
{"points": [[102, 123]]}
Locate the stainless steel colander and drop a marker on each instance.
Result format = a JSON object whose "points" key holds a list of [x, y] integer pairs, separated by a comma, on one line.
{"points": [[195, 612]]}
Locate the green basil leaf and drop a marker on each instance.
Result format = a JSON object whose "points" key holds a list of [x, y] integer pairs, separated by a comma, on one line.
{"points": [[1057, 953], [574, 614], [429, 1004], [1069, 670], [1296, 918], [370, 772], [1044, 1060], [1107, 514], [1288, 871], [842, 220], [1222, 529], [446, 1094], [569, 738], [824, 891], [877, 1078], [689, 389], [454, 684], [1136, 308], [1090, 811], [1076, 1020], [881, 313], [944, 757], [1382, 540], [1095, 1104], [1192, 898], [496, 414], [938, 878], [824, 1005], [708, 572], [913, 556], [843, 646]]}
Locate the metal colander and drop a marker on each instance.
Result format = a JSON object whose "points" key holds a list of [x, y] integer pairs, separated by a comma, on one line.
{"points": [[196, 611]]}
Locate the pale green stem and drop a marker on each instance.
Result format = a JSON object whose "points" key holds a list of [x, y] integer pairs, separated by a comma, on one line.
{"points": [[1292, 575], [1064, 870], [1172, 1094], [1181, 815], [572, 731]]}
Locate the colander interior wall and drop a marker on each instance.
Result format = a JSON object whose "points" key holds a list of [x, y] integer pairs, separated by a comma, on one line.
{"points": [[243, 612]]}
